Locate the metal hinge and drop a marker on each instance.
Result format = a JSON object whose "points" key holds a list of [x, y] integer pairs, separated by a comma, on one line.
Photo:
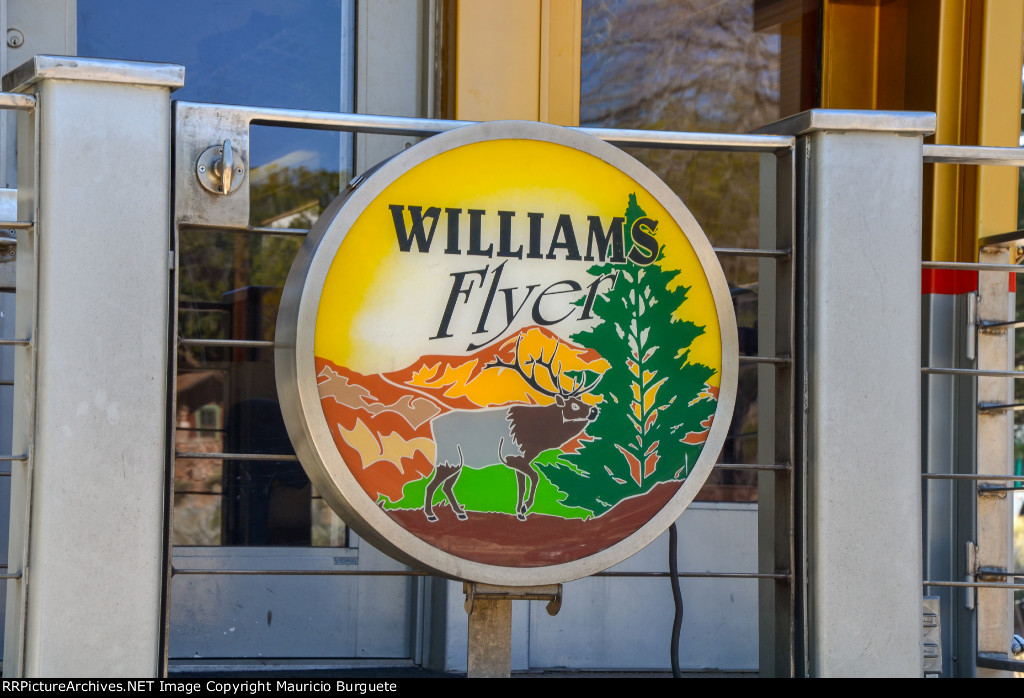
{"points": [[931, 636]]}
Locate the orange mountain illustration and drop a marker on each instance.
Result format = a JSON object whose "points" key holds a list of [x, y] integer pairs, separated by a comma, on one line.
{"points": [[381, 423]]}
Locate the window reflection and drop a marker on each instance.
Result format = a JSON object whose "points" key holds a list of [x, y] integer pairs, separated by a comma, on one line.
{"points": [[300, 55], [230, 289], [713, 66]]}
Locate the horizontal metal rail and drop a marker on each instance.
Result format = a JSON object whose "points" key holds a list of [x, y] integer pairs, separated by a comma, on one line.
{"points": [[15, 342], [986, 585], [1000, 406], [237, 456], [701, 575], [991, 325], [980, 372], [246, 229], [973, 155], [303, 573], [973, 266], [237, 343], [12, 458], [778, 360], [992, 660], [409, 126], [753, 466], [291, 457], [12, 575], [270, 344], [415, 573], [12, 100], [985, 487], [302, 232], [752, 252], [17, 225], [969, 476]]}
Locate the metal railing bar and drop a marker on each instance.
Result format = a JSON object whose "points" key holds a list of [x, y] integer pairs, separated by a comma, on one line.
{"points": [[408, 126], [981, 372], [15, 342], [6, 382], [1000, 238], [986, 585], [334, 121], [968, 476], [973, 155], [237, 456], [13, 458], [13, 100], [1000, 407], [183, 308], [753, 252], [701, 575], [985, 487], [779, 360], [242, 343], [990, 324], [681, 140], [753, 466], [305, 573], [302, 232], [17, 225], [973, 266], [248, 229], [992, 660], [13, 575], [416, 573]]}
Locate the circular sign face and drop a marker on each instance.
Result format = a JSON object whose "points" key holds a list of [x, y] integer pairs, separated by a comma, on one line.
{"points": [[508, 356]]}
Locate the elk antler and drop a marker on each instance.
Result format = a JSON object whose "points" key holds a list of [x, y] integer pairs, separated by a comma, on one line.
{"points": [[531, 378], [583, 387]]}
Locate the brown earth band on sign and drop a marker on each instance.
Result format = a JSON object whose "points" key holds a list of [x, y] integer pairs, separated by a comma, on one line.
{"points": [[541, 540]]}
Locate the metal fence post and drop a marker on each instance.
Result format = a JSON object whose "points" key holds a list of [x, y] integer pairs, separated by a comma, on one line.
{"points": [[860, 358], [88, 505]]}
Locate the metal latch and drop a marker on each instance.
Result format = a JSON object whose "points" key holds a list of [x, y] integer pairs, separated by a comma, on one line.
{"points": [[218, 170]]}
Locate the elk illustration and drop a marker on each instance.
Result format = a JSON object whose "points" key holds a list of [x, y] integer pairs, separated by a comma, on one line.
{"points": [[516, 434]]}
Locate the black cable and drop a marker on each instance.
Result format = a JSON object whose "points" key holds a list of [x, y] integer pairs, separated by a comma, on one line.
{"points": [[677, 598]]}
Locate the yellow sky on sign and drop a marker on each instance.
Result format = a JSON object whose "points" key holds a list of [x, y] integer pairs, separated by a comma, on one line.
{"points": [[380, 306]]}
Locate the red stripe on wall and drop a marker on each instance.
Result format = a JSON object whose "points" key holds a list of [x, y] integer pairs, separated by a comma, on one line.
{"points": [[953, 281], [948, 281]]}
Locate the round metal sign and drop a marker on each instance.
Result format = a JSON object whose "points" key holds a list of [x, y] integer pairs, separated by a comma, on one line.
{"points": [[508, 356]]}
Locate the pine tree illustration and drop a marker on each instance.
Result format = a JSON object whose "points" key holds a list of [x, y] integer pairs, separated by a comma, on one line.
{"points": [[652, 395]]}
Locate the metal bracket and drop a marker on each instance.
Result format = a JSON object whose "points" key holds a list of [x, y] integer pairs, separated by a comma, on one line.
{"points": [[991, 574], [218, 171], [987, 489], [198, 128], [552, 593]]}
